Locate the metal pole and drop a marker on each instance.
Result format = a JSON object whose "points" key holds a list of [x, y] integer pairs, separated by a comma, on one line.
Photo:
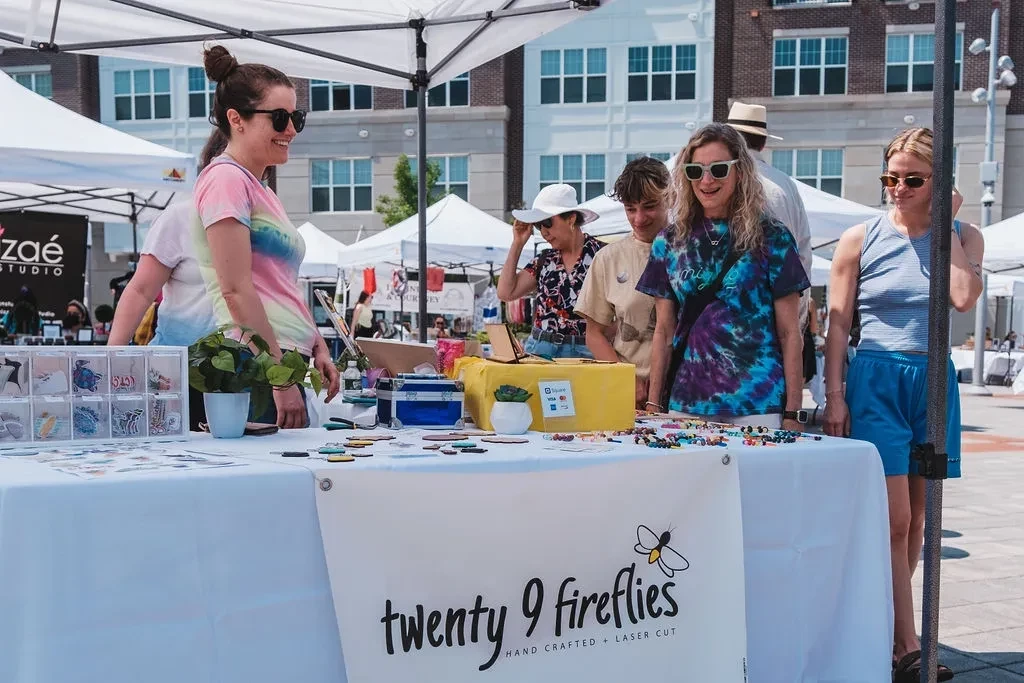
{"points": [[421, 81], [978, 387], [135, 234], [932, 458]]}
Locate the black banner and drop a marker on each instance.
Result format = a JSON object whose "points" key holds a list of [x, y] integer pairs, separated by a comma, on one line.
{"points": [[45, 252]]}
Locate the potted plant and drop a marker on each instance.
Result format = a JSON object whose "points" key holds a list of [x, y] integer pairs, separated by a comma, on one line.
{"points": [[236, 375], [511, 413]]}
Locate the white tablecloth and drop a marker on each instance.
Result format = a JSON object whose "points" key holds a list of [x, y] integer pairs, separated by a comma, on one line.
{"points": [[963, 359], [220, 576]]}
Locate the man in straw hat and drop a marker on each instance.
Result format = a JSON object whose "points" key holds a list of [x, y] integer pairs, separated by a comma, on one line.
{"points": [[781, 193]]}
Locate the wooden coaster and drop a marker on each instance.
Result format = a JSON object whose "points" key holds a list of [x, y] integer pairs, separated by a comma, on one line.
{"points": [[359, 443], [371, 437], [362, 454], [443, 437], [340, 458], [432, 447], [449, 451], [504, 439]]}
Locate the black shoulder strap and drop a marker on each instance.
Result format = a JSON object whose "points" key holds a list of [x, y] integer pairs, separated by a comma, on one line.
{"points": [[696, 304]]}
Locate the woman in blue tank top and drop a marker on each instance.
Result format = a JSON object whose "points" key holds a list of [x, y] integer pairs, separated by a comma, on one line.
{"points": [[883, 269]]}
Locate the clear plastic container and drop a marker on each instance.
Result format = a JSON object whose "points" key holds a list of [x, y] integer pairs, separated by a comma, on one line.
{"points": [[128, 419], [127, 372], [51, 374], [163, 372], [90, 374], [51, 418], [15, 420], [14, 374], [90, 417], [165, 415]]}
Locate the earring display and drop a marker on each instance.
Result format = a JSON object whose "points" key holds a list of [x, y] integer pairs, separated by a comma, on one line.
{"points": [[14, 374], [90, 373], [103, 394], [50, 374]]}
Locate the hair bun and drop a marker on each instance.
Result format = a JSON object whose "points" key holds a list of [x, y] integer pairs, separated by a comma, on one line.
{"points": [[218, 63]]}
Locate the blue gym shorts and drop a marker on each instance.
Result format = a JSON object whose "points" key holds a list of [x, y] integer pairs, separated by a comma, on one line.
{"points": [[887, 394]]}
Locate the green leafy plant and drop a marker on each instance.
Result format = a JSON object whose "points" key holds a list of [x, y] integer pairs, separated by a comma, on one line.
{"points": [[404, 203], [362, 362], [219, 364], [509, 393]]}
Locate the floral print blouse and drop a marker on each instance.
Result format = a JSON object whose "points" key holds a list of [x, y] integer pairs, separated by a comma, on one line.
{"points": [[558, 289]]}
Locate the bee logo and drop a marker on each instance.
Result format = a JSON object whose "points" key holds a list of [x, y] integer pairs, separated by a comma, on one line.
{"points": [[657, 550]]}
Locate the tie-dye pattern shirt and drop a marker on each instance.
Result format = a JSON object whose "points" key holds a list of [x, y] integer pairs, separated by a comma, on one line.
{"points": [[227, 190], [732, 366]]}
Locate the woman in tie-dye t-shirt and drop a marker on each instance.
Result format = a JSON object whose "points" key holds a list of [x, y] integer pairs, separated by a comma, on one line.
{"points": [[248, 251]]}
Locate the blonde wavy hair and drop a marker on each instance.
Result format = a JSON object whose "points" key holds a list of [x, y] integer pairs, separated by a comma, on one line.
{"points": [[747, 208], [916, 141]]}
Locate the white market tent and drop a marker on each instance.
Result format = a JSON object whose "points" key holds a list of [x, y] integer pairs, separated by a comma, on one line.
{"points": [[821, 269], [458, 235], [1004, 246], [322, 252], [59, 161], [389, 43]]}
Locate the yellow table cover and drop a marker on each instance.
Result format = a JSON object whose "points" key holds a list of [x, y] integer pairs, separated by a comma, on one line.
{"points": [[603, 393]]}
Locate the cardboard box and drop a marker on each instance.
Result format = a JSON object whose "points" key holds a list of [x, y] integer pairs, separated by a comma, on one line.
{"points": [[603, 394]]}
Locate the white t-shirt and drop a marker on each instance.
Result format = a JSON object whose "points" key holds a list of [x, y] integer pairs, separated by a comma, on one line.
{"points": [[784, 202], [185, 314]]}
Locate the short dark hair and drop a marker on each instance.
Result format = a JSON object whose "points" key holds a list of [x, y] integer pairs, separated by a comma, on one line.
{"points": [[643, 179], [754, 142], [363, 296], [239, 86]]}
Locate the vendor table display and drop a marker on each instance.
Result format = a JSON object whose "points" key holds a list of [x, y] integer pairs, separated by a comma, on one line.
{"points": [[89, 394], [205, 560]]}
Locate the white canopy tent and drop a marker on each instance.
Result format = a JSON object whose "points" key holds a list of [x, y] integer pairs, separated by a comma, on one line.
{"points": [[458, 235], [827, 214], [1004, 246], [388, 43], [322, 253], [59, 161]]}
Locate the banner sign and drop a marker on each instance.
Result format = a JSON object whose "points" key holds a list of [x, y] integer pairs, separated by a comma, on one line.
{"points": [[45, 252], [596, 573], [455, 299]]}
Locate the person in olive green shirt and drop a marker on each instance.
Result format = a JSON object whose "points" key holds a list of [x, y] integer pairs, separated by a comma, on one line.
{"points": [[620, 320]]}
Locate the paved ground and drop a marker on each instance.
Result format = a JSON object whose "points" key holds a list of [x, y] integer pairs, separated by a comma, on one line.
{"points": [[981, 615]]}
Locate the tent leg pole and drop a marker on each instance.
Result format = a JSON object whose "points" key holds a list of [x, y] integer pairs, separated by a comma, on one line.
{"points": [[933, 458], [421, 170]]}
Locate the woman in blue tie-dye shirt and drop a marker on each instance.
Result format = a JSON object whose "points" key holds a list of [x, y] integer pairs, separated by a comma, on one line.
{"points": [[740, 361]]}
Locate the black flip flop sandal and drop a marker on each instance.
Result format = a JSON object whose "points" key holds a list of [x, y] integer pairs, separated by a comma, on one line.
{"points": [[908, 669]]}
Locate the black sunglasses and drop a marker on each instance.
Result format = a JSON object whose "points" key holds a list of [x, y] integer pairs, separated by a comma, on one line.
{"points": [[279, 118], [546, 223], [718, 170], [912, 181]]}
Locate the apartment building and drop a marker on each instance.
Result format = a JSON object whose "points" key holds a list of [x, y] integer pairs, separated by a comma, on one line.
{"points": [[635, 78], [841, 78]]}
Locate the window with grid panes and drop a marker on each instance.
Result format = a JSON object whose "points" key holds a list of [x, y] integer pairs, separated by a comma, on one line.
{"points": [[454, 177], [662, 72], [341, 185], [200, 94], [454, 93], [819, 168], [810, 66], [573, 76], [331, 96], [584, 172], [39, 82], [660, 156], [142, 94], [910, 62]]}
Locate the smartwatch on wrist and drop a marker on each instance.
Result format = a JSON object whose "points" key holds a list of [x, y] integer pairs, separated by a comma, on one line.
{"points": [[801, 416]]}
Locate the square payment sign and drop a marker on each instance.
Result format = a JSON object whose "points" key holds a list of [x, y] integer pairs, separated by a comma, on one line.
{"points": [[556, 398]]}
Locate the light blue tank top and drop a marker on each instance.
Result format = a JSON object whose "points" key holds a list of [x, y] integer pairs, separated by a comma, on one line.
{"points": [[892, 291]]}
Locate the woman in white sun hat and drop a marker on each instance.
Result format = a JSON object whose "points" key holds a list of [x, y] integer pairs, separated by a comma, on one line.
{"points": [[555, 274]]}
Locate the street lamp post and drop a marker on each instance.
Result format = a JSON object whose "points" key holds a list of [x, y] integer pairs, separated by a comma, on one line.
{"points": [[1000, 72]]}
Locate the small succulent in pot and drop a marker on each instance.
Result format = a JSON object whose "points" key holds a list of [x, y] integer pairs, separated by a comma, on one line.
{"points": [[509, 393]]}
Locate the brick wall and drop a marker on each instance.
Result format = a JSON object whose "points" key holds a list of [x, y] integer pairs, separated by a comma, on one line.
{"points": [[1014, 24], [749, 44], [723, 90], [75, 77], [514, 133]]}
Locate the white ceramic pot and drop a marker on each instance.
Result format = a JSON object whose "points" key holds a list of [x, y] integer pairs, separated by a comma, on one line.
{"points": [[226, 414], [508, 417]]}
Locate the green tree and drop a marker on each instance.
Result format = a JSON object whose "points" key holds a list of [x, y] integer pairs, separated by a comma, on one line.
{"points": [[396, 208]]}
